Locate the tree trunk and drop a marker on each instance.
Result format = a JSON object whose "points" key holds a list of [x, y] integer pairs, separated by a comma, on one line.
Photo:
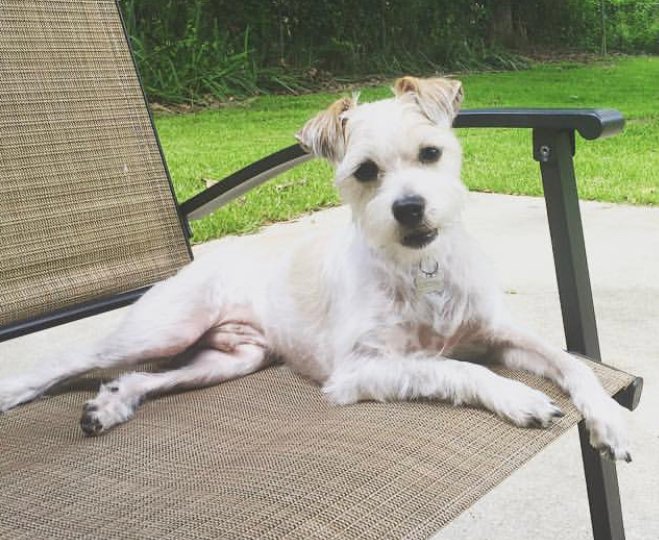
{"points": [[501, 25], [507, 26]]}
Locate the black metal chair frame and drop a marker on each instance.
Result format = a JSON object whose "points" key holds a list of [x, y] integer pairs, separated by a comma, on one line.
{"points": [[553, 147]]}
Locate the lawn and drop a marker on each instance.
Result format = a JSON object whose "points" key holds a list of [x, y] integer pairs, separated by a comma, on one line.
{"points": [[206, 146]]}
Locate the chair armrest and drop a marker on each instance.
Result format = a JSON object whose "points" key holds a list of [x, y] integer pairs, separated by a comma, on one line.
{"points": [[590, 123], [243, 180]]}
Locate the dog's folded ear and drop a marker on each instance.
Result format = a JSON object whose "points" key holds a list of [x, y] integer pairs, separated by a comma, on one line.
{"points": [[438, 98], [324, 134]]}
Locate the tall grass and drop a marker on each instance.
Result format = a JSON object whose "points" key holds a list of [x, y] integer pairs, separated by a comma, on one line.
{"points": [[196, 66], [198, 51]]}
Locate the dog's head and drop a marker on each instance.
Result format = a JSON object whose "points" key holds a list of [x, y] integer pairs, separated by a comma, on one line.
{"points": [[397, 161]]}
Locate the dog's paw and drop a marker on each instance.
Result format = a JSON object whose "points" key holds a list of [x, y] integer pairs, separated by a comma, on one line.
{"points": [[16, 390], [106, 410], [607, 431], [340, 391], [525, 406]]}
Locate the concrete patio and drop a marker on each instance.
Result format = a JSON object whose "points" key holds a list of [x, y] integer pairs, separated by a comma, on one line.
{"points": [[546, 499]]}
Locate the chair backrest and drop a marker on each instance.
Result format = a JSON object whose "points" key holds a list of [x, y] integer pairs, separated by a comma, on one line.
{"points": [[86, 206]]}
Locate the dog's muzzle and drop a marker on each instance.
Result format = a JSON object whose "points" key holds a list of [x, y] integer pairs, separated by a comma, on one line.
{"points": [[409, 212], [419, 238]]}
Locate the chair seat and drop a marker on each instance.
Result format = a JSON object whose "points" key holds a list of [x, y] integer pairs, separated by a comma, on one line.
{"points": [[263, 457]]}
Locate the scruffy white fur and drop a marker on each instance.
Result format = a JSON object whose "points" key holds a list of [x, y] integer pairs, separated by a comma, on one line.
{"points": [[349, 311]]}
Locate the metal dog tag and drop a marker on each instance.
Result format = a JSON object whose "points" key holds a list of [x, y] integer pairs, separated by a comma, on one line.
{"points": [[429, 281], [428, 284]]}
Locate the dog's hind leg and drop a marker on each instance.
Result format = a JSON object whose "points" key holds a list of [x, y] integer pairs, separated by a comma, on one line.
{"points": [[166, 321], [117, 401]]}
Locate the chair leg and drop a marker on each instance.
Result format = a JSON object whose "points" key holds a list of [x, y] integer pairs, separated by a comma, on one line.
{"points": [[554, 150]]}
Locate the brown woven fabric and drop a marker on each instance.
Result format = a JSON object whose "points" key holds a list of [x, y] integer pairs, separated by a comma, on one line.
{"points": [[86, 210], [262, 457]]}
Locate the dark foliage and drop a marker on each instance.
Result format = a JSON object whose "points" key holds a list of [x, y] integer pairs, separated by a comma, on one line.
{"points": [[194, 50]]}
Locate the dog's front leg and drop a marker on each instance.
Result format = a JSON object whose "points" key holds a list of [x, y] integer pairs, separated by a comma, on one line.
{"points": [[397, 378], [518, 348]]}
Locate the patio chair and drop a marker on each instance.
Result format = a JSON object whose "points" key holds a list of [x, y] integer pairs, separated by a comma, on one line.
{"points": [[88, 222]]}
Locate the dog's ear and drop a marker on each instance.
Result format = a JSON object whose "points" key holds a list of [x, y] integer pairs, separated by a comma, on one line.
{"points": [[324, 134], [438, 98]]}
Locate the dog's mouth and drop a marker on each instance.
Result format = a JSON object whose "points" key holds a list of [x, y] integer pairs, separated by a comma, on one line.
{"points": [[419, 238]]}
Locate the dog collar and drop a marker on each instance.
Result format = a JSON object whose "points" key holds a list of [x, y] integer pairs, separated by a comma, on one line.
{"points": [[429, 277]]}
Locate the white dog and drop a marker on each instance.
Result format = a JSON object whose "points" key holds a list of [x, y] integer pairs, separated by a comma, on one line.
{"points": [[386, 308]]}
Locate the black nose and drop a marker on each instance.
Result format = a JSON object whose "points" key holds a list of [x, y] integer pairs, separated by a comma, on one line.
{"points": [[408, 211]]}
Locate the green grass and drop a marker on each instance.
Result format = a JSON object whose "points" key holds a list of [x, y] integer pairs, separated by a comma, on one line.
{"points": [[209, 145]]}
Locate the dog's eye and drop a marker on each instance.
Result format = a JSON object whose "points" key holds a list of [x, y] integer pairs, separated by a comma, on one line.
{"points": [[429, 154], [367, 171]]}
